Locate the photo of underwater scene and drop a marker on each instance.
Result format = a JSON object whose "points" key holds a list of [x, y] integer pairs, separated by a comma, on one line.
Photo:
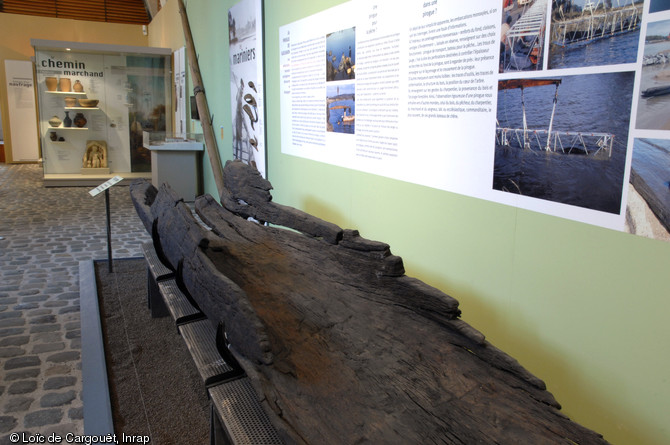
{"points": [[564, 139], [341, 55], [341, 108]]}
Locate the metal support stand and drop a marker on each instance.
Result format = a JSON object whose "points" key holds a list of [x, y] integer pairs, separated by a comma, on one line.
{"points": [[109, 233], [95, 192]]}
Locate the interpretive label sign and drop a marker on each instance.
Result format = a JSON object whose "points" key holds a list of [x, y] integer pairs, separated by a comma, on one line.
{"points": [[105, 185]]}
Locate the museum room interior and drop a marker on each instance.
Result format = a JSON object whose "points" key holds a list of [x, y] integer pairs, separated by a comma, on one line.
{"points": [[569, 289]]}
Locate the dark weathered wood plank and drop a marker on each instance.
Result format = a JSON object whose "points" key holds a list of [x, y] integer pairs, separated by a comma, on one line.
{"points": [[341, 346]]}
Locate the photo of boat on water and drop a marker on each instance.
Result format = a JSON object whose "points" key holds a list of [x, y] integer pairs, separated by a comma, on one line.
{"points": [[341, 55], [653, 109], [341, 108], [564, 139], [648, 209], [522, 35], [594, 32]]}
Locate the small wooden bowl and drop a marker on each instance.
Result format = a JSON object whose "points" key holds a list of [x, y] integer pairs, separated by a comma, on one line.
{"points": [[88, 103]]}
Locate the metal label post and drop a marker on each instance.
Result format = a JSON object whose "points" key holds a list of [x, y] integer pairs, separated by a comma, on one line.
{"points": [[96, 191]]}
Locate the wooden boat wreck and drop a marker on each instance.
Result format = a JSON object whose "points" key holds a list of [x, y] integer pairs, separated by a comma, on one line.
{"points": [[341, 346]]}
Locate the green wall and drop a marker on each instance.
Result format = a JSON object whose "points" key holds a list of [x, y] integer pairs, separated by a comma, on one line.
{"points": [[583, 308]]}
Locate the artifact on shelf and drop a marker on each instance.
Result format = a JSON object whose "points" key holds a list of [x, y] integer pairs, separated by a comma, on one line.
{"points": [[55, 121], [67, 122], [77, 87], [88, 103], [340, 345], [95, 158], [65, 84], [52, 83], [79, 120], [53, 136], [70, 102]]}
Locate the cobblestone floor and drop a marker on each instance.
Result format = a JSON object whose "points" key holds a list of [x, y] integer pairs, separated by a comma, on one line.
{"points": [[44, 233]]}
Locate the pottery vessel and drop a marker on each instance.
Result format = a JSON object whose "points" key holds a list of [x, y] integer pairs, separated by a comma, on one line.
{"points": [[70, 101], [53, 136], [65, 84], [77, 87], [88, 103], [79, 120], [55, 121], [52, 83], [67, 122]]}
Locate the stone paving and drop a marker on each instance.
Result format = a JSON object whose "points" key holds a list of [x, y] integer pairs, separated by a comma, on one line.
{"points": [[44, 233]]}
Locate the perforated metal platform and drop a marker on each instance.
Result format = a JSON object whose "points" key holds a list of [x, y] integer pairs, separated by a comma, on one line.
{"points": [[178, 305], [156, 271], [154, 265], [200, 338], [241, 415]]}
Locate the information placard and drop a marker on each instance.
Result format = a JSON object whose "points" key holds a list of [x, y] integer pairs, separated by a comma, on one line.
{"points": [[531, 104], [105, 185]]}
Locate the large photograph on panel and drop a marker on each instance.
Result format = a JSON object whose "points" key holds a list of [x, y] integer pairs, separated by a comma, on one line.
{"points": [[654, 96], [594, 32], [648, 210], [522, 35], [245, 36], [564, 139]]}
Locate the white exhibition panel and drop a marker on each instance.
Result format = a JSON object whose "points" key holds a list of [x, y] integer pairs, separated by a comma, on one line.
{"points": [[425, 89], [22, 110], [245, 38]]}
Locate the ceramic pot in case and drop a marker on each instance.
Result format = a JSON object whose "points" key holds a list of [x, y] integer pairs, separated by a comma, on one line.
{"points": [[65, 84], [67, 122], [79, 120], [77, 87], [70, 101], [55, 121], [52, 83]]}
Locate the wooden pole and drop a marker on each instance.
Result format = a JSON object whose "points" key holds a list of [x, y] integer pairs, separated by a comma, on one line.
{"points": [[201, 102]]}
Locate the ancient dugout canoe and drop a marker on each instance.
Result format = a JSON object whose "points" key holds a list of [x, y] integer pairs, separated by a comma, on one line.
{"points": [[341, 345]]}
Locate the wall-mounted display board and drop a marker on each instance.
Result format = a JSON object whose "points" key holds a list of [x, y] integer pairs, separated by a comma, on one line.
{"points": [[22, 110], [245, 34], [102, 94], [537, 104]]}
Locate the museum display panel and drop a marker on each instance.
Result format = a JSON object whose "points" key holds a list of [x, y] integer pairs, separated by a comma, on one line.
{"points": [[94, 103]]}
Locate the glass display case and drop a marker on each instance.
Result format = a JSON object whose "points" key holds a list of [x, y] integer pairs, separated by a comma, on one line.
{"points": [[94, 103]]}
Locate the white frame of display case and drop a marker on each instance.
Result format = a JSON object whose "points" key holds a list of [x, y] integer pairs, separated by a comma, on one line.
{"points": [[77, 179]]}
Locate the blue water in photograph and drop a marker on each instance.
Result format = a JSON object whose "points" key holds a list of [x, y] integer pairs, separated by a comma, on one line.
{"points": [[586, 103], [659, 5], [341, 53], [609, 51]]}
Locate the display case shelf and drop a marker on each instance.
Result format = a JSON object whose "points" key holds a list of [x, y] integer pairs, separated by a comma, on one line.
{"points": [[83, 93], [81, 108], [68, 128]]}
